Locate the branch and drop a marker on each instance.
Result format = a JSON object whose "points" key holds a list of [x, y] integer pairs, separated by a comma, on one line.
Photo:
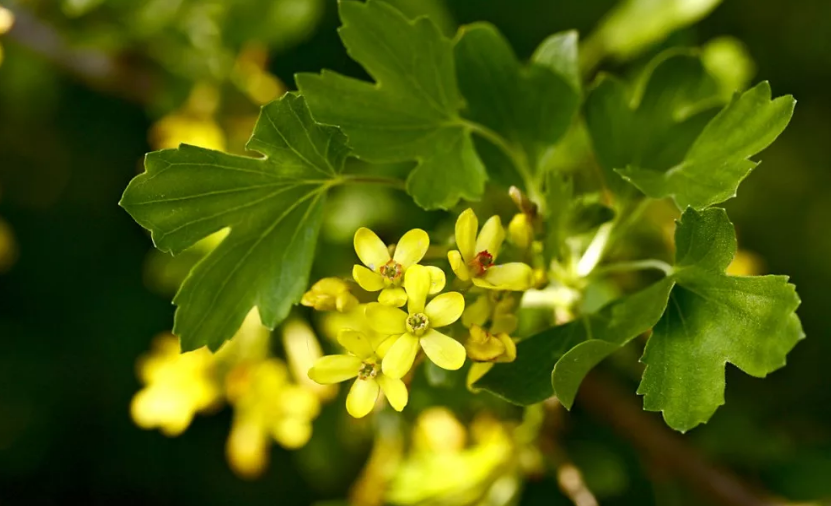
{"points": [[664, 448], [98, 69]]}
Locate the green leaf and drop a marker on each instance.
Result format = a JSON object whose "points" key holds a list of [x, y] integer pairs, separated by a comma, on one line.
{"points": [[529, 106], [719, 160], [634, 25], [554, 362], [272, 205], [559, 53], [712, 319], [411, 112], [654, 124]]}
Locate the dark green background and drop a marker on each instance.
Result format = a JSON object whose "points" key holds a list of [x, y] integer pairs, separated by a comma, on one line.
{"points": [[75, 314]]}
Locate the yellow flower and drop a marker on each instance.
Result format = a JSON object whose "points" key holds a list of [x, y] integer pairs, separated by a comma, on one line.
{"points": [[416, 328], [482, 346], [386, 273], [267, 405], [476, 257], [330, 294], [178, 385], [363, 362]]}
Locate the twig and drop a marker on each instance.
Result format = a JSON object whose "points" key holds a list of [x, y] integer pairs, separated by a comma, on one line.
{"points": [[96, 68], [607, 401]]}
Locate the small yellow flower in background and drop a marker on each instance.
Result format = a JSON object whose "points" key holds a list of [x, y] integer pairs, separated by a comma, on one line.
{"points": [[363, 363], [267, 405], [386, 273], [416, 328], [177, 386], [476, 257], [330, 294], [302, 350]]}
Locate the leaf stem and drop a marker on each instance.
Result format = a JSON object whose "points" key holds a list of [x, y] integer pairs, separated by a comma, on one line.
{"points": [[517, 157], [637, 265], [392, 182]]}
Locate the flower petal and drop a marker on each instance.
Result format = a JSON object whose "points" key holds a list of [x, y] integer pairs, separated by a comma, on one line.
{"points": [[445, 309], [383, 347], [400, 357], [466, 226], [475, 373], [457, 263], [437, 279], [334, 369], [478, 312], [511, 276], [370, 249], [395, 297], [417, 283], [395, 390], [491, 237], [367, 279], [386, 320], [510, 348], [356, 342], [444, 351], [362, 396], [411, 247], [504, 324]]}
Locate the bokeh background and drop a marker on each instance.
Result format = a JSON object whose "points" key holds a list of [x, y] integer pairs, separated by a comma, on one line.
{"points": [[88, 86]]}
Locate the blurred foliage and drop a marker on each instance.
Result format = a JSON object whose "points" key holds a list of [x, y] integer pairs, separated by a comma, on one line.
{"points": [[88, 86]]}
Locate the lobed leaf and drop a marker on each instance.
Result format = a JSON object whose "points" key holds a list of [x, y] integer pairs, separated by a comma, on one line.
{"points": [[655, 123], [719, 160], [712, 319], [529, 106], [272, 206], [411, 112]]}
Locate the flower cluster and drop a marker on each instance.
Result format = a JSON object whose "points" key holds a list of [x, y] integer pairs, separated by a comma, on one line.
{"points": [[271, 401], [380, 354]]}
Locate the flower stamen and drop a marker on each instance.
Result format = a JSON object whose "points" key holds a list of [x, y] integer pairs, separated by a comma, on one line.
{"points": [[481, 262], [368, 370], [391, 271], [417, 323]]}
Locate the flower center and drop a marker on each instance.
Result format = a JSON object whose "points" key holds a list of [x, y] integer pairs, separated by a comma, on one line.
{"points": [[417, 323], [391, 271], [481, 262], [367, 371]]}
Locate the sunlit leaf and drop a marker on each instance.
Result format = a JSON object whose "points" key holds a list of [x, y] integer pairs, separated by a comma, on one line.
{"points": [[654, 123], [272, 205], [719, 159], [712, 319]]}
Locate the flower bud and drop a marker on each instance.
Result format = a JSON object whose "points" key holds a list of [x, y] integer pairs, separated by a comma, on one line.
{"points": [[330, 294], [521, 231]]}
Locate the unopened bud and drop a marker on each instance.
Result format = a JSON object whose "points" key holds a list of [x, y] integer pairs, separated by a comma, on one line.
{"points": [[521, 231], [330, 294]]}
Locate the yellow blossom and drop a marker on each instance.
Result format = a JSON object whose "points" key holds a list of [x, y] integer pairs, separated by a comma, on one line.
{"points": [[330, 294], [364, 363], [267, 405], [476, 257], [177, 386], [415, 328], [386, 273]]}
